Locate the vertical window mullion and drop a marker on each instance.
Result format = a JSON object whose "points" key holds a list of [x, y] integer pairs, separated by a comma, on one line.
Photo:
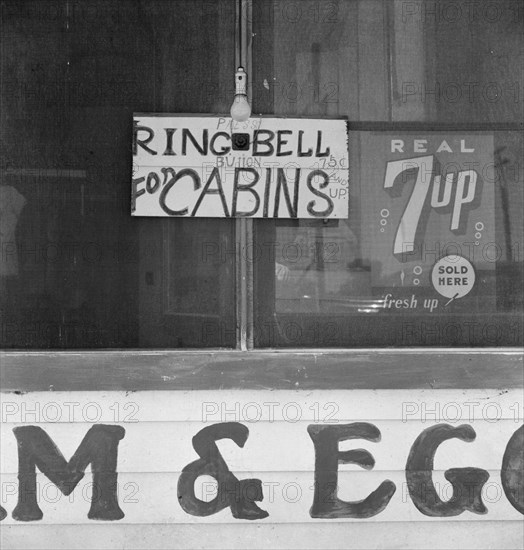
{"points": [[244, 226]]}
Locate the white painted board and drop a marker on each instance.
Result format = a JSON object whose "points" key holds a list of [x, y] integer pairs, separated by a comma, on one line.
{"points": [[156, 445]]}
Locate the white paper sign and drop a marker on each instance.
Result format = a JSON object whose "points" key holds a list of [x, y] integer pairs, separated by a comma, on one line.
{"points": [[187, 166]]}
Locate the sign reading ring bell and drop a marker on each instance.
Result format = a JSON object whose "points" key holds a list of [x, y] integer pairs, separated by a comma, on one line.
{"points": [[453, 276], [214, 167]]}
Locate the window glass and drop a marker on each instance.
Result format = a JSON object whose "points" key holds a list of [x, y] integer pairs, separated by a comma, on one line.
{"points": [[76, 270], [430, 253]]}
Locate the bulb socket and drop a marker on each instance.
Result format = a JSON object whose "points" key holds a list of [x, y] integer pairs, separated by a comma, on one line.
{"points": [[240, 81]]}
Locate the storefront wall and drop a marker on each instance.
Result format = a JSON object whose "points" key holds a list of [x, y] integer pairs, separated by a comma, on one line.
{"points": [[283, 338]]}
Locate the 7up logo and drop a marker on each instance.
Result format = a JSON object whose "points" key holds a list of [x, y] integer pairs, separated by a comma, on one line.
{"points": [[455, 194]]}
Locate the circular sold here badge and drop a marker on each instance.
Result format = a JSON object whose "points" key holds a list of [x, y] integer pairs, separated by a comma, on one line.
{"points": [[453, 276]]}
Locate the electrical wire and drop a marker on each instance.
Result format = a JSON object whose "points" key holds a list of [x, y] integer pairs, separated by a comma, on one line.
{"points": [[240, 32]]}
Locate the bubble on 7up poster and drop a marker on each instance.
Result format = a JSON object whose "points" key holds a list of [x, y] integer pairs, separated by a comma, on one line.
{"points": [[430, 213]]}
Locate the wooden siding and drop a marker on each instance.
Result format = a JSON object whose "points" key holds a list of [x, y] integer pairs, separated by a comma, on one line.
{"points": [[157, 446]]}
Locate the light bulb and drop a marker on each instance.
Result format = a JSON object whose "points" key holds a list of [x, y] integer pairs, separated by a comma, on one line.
{"points": [[240, 110]]}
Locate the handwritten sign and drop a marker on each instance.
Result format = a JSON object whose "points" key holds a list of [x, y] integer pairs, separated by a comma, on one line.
{"points": [[263, 168]]}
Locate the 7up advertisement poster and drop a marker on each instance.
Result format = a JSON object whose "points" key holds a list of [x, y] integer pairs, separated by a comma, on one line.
{"points": [[429, 209]]}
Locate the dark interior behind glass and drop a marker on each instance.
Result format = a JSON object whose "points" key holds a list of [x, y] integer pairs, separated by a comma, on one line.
{"points": [[409, 70], [77, 270]]}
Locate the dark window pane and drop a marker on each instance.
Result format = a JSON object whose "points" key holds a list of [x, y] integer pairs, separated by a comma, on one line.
{"points": [[374, 279], [380, 60], [77, 271]]}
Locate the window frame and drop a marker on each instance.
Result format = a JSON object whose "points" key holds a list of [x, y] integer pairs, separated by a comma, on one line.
{"points": [[246, 367]]}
